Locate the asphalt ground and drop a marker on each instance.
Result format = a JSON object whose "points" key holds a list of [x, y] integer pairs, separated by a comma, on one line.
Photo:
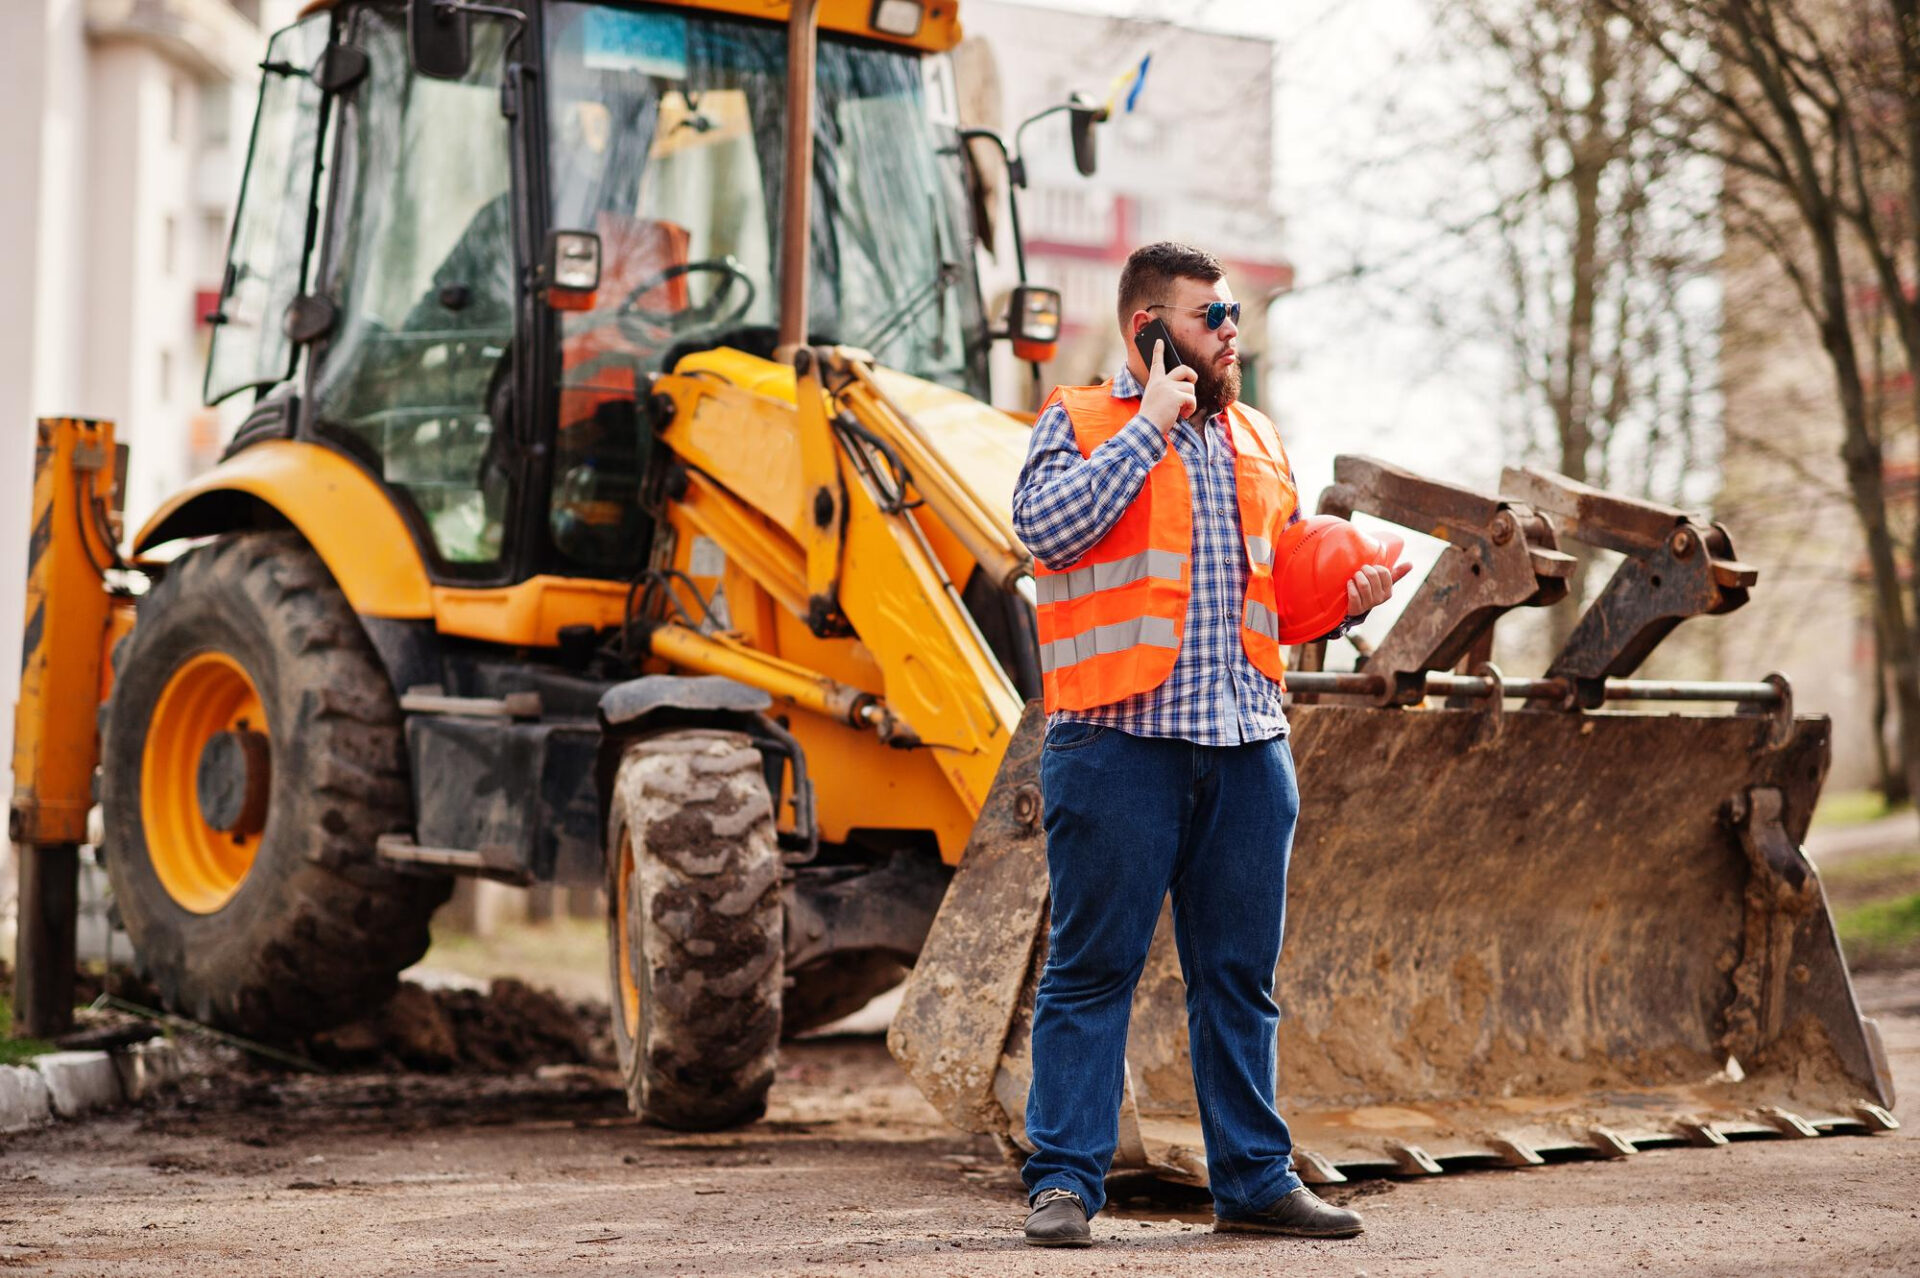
{"points": [[853, 1174]]}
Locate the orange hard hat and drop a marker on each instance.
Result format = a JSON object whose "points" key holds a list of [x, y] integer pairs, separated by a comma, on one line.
{"points": [[1316, 558]]}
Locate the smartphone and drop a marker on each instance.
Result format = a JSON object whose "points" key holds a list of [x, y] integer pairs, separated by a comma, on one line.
{"points": [[1157, 330]]}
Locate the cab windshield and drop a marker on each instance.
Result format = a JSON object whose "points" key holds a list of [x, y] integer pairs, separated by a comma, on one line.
{"points": [[667, 138]]}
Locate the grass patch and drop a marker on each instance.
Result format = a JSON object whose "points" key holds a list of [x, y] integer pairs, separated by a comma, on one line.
{"points": [[1884, 933], [1876, 907], [1851, 807], [1855, 879], [16, 1051]]}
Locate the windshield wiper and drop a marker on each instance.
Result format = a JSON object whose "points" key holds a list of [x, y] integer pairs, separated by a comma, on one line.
{"points": [[934, 289]]}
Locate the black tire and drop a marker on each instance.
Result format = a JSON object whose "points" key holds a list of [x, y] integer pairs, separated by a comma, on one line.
{"points": [[694, 929], [316, 932]]}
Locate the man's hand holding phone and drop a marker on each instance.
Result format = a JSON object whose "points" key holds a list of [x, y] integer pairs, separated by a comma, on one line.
{"points": [[1169, 395]]}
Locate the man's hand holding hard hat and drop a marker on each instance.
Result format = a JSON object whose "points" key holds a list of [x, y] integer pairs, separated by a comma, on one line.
{"points": [[1327, 570], [1371, 585]]}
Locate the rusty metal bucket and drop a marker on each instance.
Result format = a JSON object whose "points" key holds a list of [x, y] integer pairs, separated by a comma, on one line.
{"points": [[1511, 936]]}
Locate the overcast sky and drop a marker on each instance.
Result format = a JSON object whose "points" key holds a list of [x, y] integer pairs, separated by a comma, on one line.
{"points": [[1357, 371]]}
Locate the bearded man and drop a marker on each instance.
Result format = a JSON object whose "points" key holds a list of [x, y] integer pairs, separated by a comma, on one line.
{"points": [[1152, 504]]}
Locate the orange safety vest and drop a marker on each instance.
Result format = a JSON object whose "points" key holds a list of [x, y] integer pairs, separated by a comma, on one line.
{"points": [[1110, 626]]}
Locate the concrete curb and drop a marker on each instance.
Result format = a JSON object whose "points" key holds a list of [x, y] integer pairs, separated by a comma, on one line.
{"points": [[72, 1085], [79, 1082], [23, 1098]]}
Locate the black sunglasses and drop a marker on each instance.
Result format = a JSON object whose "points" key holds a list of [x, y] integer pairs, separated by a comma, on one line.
{"points": [[1218, 313]]}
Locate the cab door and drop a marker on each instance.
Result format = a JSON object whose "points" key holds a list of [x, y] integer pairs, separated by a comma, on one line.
{"points": [[267, 256], [414, 376]]}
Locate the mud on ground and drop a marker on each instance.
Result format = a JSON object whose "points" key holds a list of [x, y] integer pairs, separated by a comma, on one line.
{"points": [[541, 1170], [506, 1026], [510, 1027]]}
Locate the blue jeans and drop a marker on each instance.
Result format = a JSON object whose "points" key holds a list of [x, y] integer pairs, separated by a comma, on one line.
{"points": [[1129, 819]]}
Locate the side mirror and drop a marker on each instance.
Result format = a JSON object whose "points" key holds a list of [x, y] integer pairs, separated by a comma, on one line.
{"points": [[1084, 113], [439, 42], [1033, 322], [572, 270], [984, 186]]}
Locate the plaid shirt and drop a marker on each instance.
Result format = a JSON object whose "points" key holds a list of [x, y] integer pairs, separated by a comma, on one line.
{"points": [[1065, 503]]}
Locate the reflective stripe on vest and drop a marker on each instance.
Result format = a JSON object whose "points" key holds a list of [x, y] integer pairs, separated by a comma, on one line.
{"points": [[1080, 582], [1111, 625], [1102, 641]]}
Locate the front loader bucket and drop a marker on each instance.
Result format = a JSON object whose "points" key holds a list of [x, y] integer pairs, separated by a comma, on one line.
{"points": [[1508, 938], [1512, 933]]}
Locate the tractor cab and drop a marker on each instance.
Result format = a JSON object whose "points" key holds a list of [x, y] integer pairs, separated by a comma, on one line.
{"points": [[470, 235]]}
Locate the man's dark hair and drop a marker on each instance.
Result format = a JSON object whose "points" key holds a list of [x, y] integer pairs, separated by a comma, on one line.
{"points": [[1151, 269]]}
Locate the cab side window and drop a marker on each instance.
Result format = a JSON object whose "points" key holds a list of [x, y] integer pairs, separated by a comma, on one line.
{"points": [[266, 257], [421, 267]]}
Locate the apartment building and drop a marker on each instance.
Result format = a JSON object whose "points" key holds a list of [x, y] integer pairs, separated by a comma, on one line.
{"points": [[128, 129], [1167, 170]]}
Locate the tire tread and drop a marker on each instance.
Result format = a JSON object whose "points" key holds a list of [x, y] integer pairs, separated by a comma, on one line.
{"points": [[706, 885], [336, 928]]}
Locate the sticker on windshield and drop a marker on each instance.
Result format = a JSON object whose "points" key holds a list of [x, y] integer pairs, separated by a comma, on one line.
{"points": [[649, 43], [706, 559]]}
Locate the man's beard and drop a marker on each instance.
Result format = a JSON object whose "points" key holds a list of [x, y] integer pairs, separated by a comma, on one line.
{"points": [[1214, 390]]}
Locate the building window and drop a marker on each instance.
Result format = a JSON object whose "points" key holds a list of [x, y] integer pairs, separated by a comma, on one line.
{"points": [[166, 377], [213, 245], [216, 114], [176, 111], [169, 238]]}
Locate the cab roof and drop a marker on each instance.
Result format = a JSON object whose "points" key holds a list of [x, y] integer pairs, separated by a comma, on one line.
{"points": [[939, 19]]}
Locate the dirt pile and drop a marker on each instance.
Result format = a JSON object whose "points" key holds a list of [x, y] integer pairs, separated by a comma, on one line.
{"points": [[510, 1028]]}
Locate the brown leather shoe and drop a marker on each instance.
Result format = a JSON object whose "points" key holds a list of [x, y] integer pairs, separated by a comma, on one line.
{"points": [[1300, 1215], [1058, 1219]]}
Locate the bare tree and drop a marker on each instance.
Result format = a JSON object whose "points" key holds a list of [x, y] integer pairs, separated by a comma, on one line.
{"points": [[1605, 232], [1813, 107]]}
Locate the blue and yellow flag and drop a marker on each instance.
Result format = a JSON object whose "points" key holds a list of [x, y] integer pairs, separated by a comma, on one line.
{"points": [[1125, 90]]}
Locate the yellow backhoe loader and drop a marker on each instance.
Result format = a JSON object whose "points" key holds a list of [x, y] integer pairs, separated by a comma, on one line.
{"points": [[618, 503]]}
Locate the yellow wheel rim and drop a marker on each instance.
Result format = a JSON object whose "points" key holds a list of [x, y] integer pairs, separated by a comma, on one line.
{"points": [[623, 938], [200, 867]]}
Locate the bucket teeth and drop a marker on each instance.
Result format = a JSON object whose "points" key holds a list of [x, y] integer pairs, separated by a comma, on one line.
{"points": [[1876, 1118], [1698, 1132], [1514, 1152], [1411, 1160], [1315, 1170], [1608, 1143], [1788, 1123]]}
